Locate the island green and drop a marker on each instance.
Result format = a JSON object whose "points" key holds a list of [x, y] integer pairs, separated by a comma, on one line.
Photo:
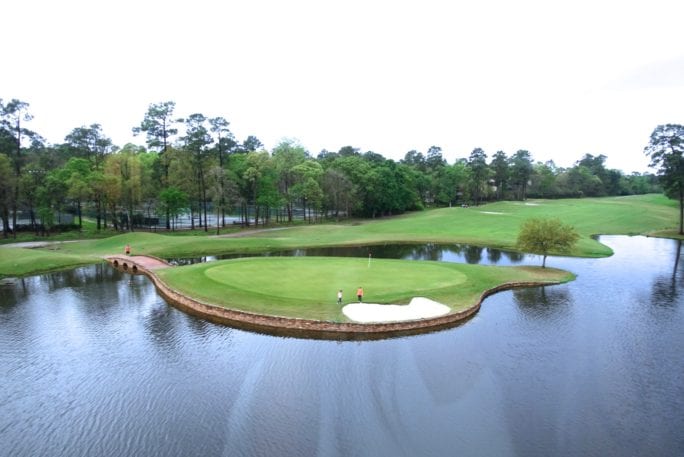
{"points": [[306, 287]]}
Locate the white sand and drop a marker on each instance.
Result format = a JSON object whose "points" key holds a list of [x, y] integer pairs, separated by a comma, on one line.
{"points": [[491, 212], [419, 308]]}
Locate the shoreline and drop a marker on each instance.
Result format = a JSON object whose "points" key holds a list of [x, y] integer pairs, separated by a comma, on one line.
{"points": [[306, 328]]}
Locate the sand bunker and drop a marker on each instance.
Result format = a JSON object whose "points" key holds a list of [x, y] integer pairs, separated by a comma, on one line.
{"points": [[491, 212], [419, 308]]}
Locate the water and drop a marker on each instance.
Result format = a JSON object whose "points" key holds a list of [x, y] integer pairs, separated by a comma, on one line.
{"points": [[460, 253], [93, 362]]}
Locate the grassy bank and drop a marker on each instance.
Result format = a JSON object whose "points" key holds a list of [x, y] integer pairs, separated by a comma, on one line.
{"points": [[24, 262], [494, 225], [306, 287]]}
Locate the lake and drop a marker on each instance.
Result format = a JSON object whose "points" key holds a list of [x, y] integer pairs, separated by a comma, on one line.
{"points": [[94, 362]]}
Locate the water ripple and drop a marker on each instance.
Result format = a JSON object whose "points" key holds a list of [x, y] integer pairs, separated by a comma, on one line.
{"points": [[93, 362]]}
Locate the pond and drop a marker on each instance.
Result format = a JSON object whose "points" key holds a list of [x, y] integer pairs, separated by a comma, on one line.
{"points": [[93, 362], [461, 253]]}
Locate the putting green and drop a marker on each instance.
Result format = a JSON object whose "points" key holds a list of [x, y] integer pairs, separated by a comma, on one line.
{"points": [[306, 287], [317, 281]]}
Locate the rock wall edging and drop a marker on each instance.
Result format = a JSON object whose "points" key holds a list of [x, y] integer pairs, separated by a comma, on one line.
{"points": [[310, 328]]}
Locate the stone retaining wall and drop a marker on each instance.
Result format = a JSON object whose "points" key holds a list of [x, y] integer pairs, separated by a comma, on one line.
{"points": [[308, 328]]}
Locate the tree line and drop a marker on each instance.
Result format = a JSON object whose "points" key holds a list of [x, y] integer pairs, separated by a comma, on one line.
{"points": [[194, 165]]}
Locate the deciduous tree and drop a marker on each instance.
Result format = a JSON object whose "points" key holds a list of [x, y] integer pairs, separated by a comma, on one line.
{"points": [[12, 114], [124, 183], [197, 141], [6, 192], [546, 236], [159, 126], [258, 165], [251, 144], [501, 172], [173, 201], [225, 143], [307, 187], [223, 192], [477, 162], [287, 156], [76, 175], [91, 144], [338, 191], [666, 151], [521, 171]]}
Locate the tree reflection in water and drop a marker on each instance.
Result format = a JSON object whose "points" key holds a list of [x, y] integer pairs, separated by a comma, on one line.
{"points": [[666, 289], [459, 253], [543, 302]]}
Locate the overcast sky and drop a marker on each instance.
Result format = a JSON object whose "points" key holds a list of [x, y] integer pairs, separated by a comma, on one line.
{"points": [[558, 78]]}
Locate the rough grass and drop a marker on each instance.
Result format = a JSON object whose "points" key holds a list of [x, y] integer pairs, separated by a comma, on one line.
{"points": [[307, 287]]}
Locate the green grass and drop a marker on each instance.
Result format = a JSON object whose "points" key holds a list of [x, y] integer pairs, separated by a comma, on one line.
{"points": [[306, 287], [493, 225], [23, 262], [497, 224]]}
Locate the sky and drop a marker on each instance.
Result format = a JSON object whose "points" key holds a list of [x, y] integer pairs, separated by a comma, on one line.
{"points": [[560, 79]]}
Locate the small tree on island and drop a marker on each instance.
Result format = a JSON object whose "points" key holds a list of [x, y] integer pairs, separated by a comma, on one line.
{"points": [[544, 236]]}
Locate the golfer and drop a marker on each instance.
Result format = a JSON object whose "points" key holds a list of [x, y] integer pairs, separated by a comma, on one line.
{"points": [[359, 294], [339, 297]]}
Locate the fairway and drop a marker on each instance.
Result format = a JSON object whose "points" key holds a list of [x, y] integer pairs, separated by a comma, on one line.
{"points": [[306, 287], [493, 225]]}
